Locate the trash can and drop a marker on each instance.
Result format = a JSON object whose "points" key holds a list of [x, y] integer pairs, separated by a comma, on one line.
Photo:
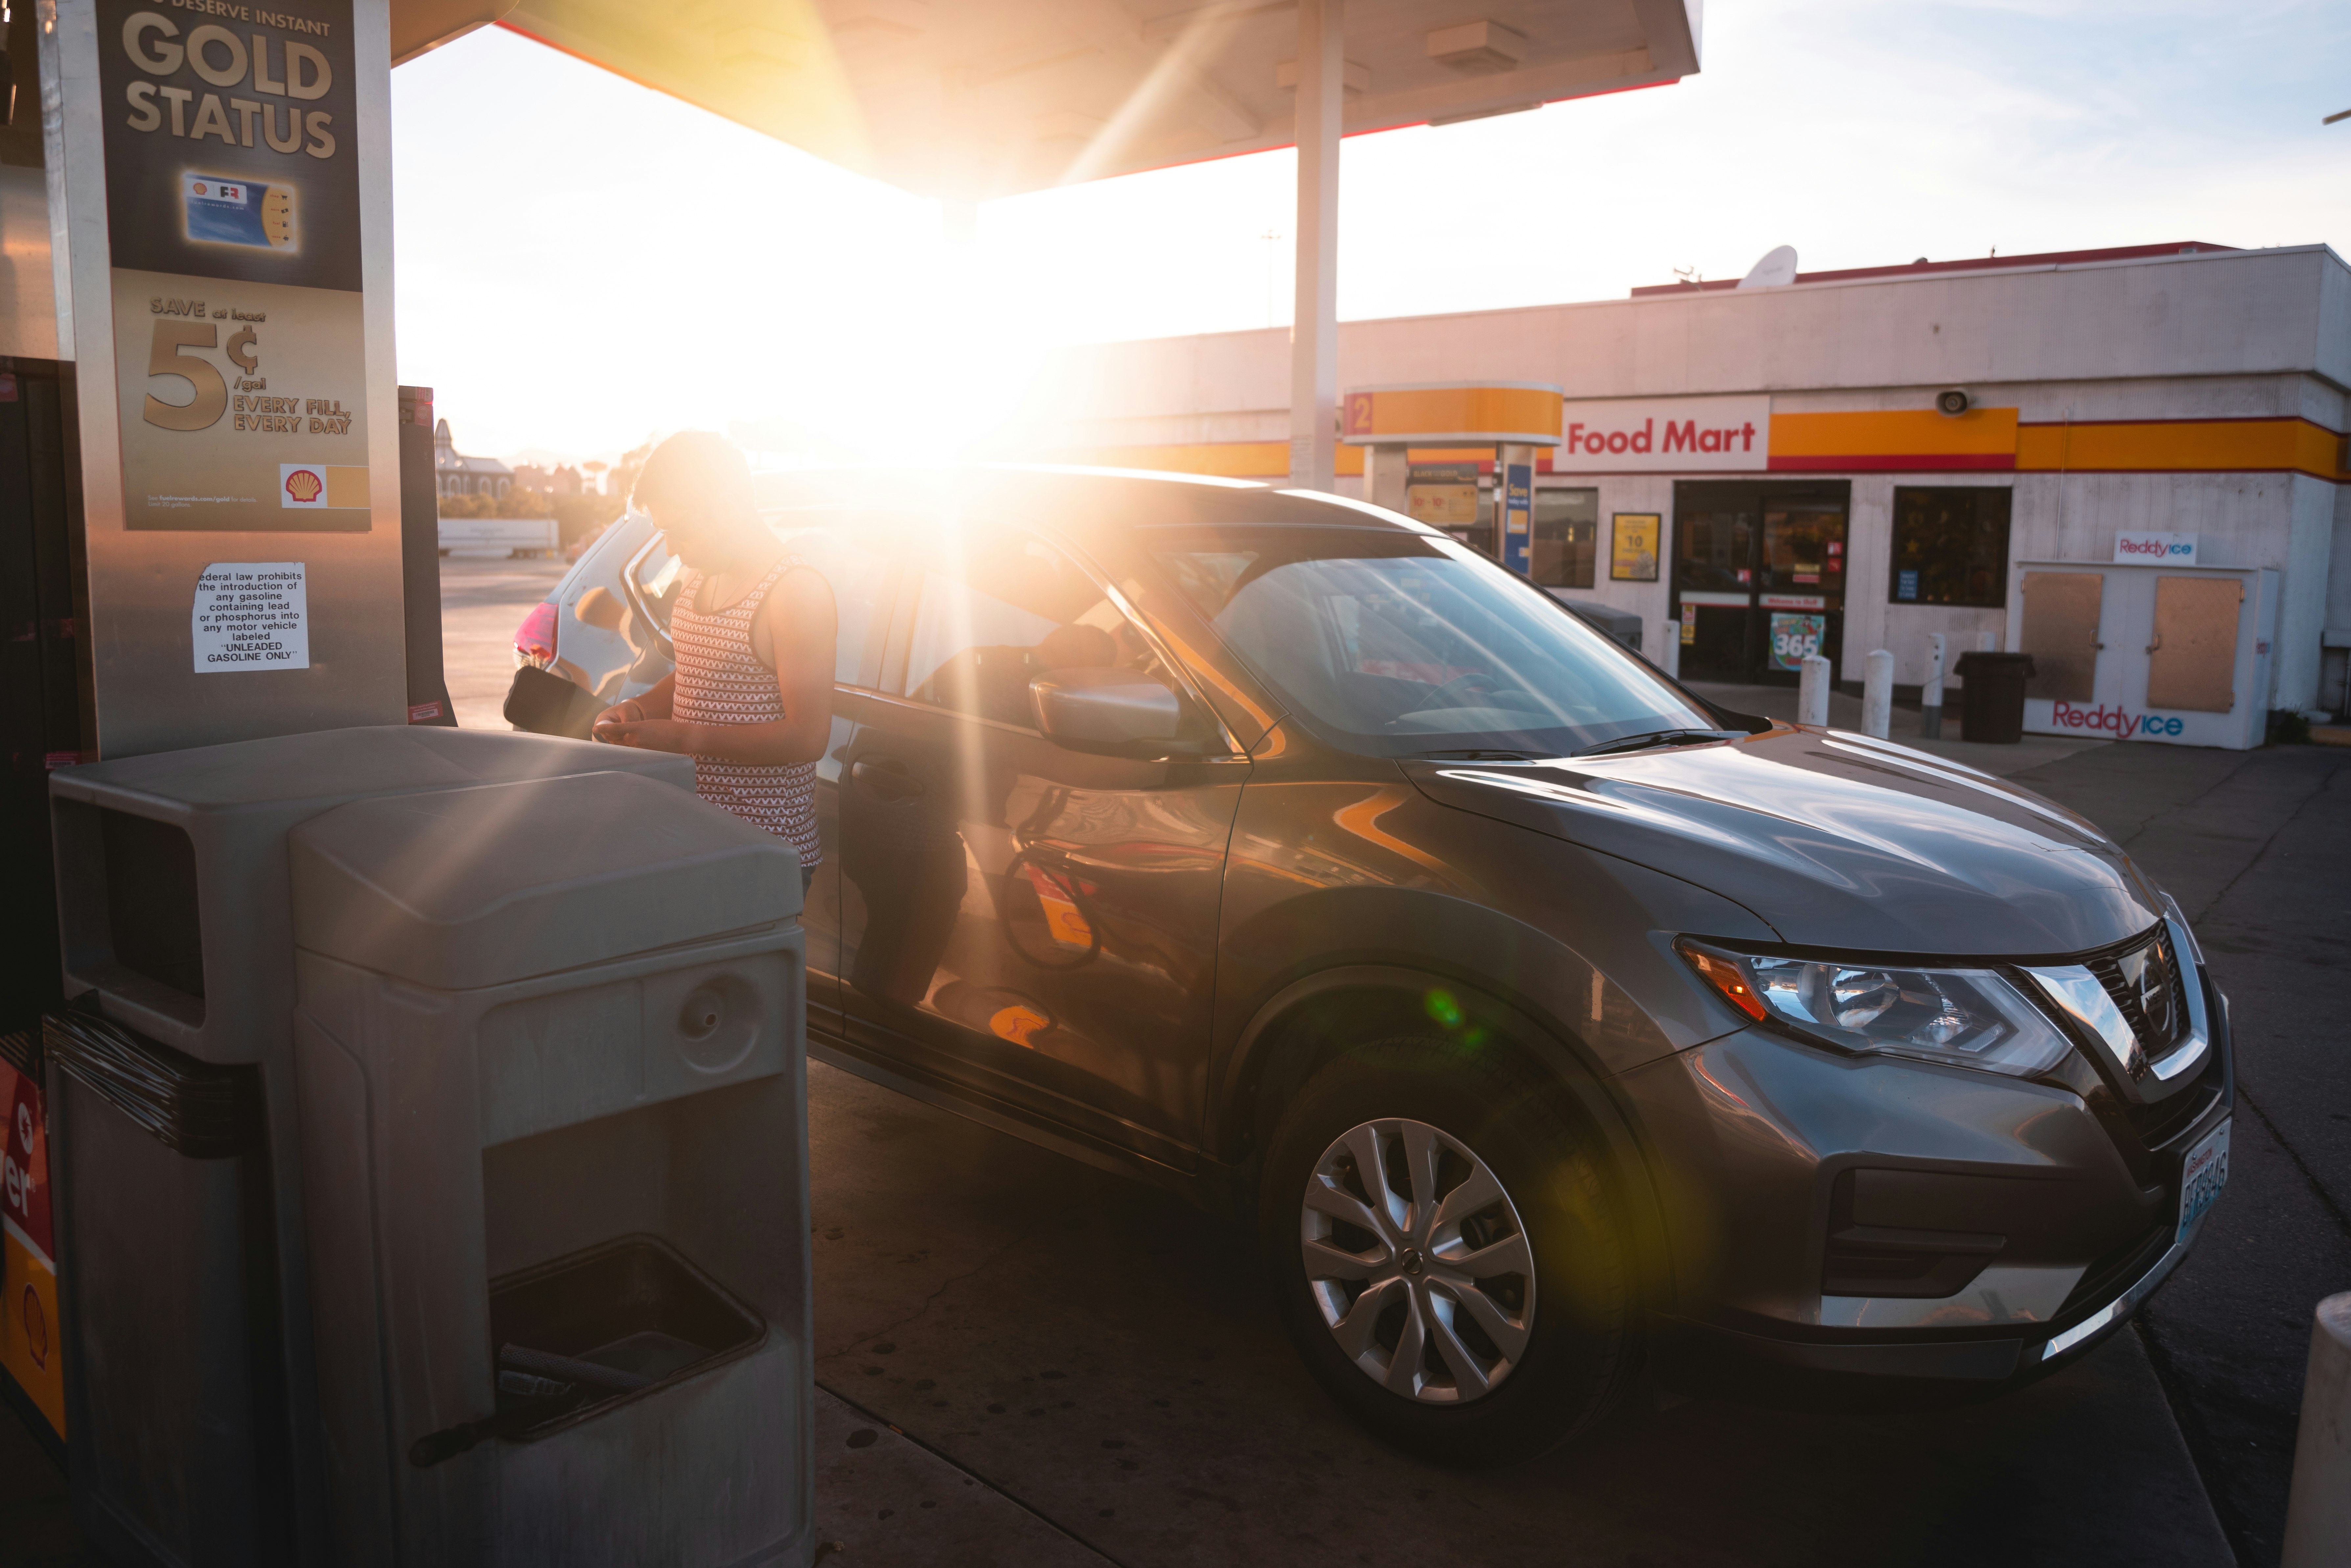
{"points": [[1992, 698], [183, 1295], [553, 1112], [179, 1427]]}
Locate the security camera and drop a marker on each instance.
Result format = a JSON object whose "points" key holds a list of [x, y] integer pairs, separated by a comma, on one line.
{"points": [[1954, 401]]}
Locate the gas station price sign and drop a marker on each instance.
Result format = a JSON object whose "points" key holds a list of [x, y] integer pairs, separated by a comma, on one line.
{"points": [[232, 210]]}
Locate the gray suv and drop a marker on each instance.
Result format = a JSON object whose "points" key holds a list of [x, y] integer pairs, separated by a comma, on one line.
{"points": [[1547, 1022]]}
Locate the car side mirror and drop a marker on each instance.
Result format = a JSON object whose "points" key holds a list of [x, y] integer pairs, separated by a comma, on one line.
{"points": [[1109, 712]]}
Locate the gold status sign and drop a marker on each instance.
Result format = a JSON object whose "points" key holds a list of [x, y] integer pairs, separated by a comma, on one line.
{"points": [[233, 212]]}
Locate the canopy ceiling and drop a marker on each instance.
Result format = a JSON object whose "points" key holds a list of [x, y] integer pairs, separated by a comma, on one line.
{"points": [[976, 100]]}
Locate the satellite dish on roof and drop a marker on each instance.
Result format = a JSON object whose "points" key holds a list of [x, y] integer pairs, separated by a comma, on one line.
{"points": [[1778, 266]]}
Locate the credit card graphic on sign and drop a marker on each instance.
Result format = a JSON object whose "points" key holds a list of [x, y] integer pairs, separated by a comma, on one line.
{"points": [[238, 212]]}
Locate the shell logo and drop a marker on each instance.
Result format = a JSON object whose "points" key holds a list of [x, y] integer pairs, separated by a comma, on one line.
{"points": [[304, 486]]}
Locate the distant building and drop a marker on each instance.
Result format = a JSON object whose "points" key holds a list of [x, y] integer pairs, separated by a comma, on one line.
{"points": [[564, 481], [455, 474], [2130, 463]]}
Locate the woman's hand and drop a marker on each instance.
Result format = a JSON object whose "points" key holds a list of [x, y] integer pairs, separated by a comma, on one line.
{"points": [[625, 724], [623, 713], [645, 733]]}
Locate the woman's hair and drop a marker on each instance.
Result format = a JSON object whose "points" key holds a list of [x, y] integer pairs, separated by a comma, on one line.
{"points": [[699, 472]]}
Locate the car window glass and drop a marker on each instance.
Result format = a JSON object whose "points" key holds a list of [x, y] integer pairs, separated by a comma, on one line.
{"points": [[1398, 644], [996, 612], [860, 576], [654, 576]]}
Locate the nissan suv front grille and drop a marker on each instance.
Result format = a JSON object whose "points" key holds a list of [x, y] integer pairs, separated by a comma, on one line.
{"points": [[2134, 1001], [2146, 984]]}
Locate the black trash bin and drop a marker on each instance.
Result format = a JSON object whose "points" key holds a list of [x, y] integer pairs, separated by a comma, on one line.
{"points": [[1993, 706], [176, 1415]]}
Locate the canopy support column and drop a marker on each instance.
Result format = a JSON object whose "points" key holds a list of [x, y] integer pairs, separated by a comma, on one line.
{"points": [[1314, 330]]}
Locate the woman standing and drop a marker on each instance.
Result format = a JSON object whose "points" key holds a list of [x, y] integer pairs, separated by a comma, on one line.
{"points": [[751, 697]]}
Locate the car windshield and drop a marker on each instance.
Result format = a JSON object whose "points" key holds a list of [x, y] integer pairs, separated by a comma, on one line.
{"points": [[1399, 644]]}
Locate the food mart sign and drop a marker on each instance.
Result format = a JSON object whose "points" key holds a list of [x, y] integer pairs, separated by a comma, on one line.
{"points": [[1665, 435]]}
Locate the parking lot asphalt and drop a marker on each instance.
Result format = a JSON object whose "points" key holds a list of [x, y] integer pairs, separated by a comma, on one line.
{"points": [[2256, 846], [1106, 1354], [1024, 1360], [1103, 1353], [483, 599]]}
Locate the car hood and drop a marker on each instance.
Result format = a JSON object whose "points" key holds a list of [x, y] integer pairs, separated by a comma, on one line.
{"points": [[1833, 839]]}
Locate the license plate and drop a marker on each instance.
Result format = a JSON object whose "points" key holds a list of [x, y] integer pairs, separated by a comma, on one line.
{"points": [[2202, 1174]]}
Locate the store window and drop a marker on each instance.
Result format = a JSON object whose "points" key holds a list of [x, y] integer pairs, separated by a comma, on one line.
{"points": [[1950, 547], [1566, 539]]}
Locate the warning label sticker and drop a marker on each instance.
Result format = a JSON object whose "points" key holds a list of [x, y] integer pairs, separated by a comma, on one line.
{"points": [[251, 615]]}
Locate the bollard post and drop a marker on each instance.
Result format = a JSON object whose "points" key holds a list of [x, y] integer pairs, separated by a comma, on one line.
{"points": [[1878, 694], [1672, 648], [1813, 692], [2318, 1509], [1930, 695]]}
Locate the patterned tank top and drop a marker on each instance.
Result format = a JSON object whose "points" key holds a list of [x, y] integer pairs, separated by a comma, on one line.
{"points": [[721, 681]]}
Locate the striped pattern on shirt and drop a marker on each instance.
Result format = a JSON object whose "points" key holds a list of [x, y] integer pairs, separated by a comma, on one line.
{"points": [[721, 681]]}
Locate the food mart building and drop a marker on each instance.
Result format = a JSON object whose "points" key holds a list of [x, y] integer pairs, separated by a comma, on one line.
{"points": [[2182, 390]]}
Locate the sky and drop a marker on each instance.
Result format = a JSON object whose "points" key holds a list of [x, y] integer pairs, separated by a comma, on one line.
{"points": [[582, 262]]}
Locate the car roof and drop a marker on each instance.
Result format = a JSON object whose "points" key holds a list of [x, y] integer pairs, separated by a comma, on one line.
{"points": [[1144, 498]]}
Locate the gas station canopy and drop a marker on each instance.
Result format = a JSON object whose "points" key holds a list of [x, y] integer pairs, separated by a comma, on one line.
{"points": [[971, 102]]}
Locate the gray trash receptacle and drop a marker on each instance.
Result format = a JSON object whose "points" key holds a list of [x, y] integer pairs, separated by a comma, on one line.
{"points": [[183, 1295], [553, 1108]]}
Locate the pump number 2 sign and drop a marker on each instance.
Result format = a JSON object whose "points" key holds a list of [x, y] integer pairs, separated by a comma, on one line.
{"points": [[1795, 638]]}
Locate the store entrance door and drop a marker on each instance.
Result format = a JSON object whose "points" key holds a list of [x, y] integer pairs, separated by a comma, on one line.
{"points": [[1758, 577]]}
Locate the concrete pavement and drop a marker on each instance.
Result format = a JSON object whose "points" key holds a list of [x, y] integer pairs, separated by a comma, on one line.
{"points": [[1106, 1354], [2256, 846], [483, 599], [985, 1267]]}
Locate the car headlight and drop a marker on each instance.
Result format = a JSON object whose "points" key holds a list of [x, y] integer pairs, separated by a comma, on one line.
{"points": [[1961, 1017]]}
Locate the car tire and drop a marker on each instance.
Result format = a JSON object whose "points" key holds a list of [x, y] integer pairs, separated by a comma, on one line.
{"points": [[1562, 1348]]}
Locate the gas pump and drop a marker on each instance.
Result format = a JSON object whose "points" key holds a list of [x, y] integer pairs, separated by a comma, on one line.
{"points": [[1500, 425], [230, 738]]}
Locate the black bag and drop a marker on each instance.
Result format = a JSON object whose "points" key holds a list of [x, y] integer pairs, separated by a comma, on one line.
{"points": [[546, 704]]}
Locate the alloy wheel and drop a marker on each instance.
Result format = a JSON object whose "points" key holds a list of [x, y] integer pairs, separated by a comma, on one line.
{"points": [[1415, 1256]]}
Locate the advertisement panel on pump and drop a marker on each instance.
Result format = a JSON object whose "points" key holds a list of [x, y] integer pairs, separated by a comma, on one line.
{"points": [[233, 212], [222, 171]]}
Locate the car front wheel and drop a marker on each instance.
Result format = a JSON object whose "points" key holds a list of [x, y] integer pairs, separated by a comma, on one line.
{"points": [[1441, 1241]]}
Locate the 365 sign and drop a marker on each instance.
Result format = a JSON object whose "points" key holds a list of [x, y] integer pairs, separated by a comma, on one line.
{"points": [[1665, 435]]}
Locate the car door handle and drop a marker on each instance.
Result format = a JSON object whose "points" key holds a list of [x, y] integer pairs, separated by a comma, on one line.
{"points": [[886, 777]]}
